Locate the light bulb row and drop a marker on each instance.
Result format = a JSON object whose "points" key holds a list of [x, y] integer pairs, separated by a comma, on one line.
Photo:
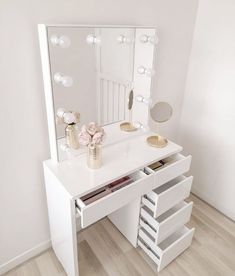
{"points": [[64, 41], [67, 81]]}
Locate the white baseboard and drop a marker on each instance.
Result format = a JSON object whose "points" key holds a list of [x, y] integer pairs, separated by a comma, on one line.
{"points": [[24, 256]]}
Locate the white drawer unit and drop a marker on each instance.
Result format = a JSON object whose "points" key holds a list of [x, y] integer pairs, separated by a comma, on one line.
{"points": [[109, 199], [172, 167], [168, 195], [167, 250], [166, 224]]}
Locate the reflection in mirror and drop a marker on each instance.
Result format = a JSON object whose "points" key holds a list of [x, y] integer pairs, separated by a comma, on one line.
{"points": [[96, 72], [161, 112], [128, 126]]}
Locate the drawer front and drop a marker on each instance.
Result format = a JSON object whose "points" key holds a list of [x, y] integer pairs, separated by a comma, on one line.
{"points": [[110, 203], [163, 254], [171, 224], [171, 171], [163, 228], [176, 248], [172, 196], [160, 203]]}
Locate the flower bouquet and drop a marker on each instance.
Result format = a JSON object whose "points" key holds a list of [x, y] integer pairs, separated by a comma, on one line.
{"points": [[92, 136]]}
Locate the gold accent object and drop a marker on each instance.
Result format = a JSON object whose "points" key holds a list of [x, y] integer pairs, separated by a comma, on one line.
{"points": [[157, 141], [127, 126], [94, 156], [71, 136]]}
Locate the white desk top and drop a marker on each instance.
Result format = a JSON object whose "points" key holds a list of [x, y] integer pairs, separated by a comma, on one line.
{"points": [[118, 160]]}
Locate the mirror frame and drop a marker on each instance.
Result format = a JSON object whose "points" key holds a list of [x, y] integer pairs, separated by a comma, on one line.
{"points": [[140, 113]]}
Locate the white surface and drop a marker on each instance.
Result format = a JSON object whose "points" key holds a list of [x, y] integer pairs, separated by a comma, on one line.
{"points": [[113, 135], [118, 160], [66, 182], [207, 125], [126, 219], [25, 135], [180, 165], [166, 224], [168, 196], [114, 201], [170, 248], [61, 210]]}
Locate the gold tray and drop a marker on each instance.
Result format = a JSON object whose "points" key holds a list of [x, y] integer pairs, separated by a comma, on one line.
{"points": [[157, 141], [127, 126]]}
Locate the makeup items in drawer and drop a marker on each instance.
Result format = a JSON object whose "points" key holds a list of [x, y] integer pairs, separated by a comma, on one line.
{"points": [[157, 165], [110, 188]]}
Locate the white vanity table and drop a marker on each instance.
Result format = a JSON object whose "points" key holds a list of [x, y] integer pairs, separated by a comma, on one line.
{"points": [[149, 210], [66, 182]]}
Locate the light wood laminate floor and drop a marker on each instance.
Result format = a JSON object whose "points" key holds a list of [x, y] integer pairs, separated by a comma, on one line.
{"points": [[104, 251]]}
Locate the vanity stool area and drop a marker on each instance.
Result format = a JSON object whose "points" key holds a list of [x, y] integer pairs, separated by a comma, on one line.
{"points": [[140, 188]]}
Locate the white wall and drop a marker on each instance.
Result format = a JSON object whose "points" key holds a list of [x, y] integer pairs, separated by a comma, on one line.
{"points": [[24, 137], [208, 119]]}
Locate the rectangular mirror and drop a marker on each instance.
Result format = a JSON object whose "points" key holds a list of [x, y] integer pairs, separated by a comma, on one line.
{"points": [[91, 70]]}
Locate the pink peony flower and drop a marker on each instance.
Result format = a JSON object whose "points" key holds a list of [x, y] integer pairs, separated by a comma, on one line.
{"points": [[92, 128], [91, 134], [98, 138], [84, 138]]}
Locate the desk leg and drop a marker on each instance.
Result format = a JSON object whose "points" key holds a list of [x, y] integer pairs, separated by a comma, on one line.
{"points": [[62, 219]]}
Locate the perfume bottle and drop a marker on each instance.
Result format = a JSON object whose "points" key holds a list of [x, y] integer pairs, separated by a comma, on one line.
{"points": [[71, 136]]}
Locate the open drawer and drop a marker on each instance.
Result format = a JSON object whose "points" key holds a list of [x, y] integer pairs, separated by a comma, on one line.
{"points": [[168, 195], [169, 249], [166, 224], [113, 196], [169, 168]]}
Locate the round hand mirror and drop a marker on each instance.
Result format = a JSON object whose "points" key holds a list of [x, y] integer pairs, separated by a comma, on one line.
{"points": [[161, 112], [130, 100]]}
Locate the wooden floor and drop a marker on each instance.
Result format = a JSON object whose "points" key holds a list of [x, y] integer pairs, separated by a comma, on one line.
{"points": [[104, 251]]}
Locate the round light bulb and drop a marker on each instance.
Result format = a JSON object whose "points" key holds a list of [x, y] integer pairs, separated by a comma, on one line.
{"points": [[139, 98], [149, 72], [69, 118], [122, 39], [60, 112], [141, 70], [148, 101], [143, 38], [92, 39], [64, 147], [149, 39], [58, 77], [137, 125], [67, 81], [64, 41], [153, 39]]}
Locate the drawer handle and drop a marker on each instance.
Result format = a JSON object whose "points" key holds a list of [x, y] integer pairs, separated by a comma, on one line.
{"points": [[149, 248], [148, 224], [149, 199]]}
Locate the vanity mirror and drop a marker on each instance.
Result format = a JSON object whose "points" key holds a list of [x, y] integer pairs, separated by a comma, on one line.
{"points": [[161, 112], [96, 71]]}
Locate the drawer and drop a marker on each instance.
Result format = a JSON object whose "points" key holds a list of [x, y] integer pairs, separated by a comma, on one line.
{"points": [[169, 249], [168, 195], [172, 167], [112, 198], [166, 224]]}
